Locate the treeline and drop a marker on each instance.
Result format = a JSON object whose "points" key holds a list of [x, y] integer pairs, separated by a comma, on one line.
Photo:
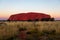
{"points": [[43, 19]]}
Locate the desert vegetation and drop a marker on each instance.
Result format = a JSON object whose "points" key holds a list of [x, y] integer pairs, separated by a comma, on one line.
{"points": [[35, 30]]}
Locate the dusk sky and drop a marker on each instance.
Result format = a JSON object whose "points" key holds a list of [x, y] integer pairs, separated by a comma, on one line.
{"points": [[9, 7]]}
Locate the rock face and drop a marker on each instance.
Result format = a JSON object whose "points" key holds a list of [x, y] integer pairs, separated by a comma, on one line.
{"points": [[30, 16]]}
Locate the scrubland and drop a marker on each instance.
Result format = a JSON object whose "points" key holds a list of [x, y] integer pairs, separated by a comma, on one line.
{"points": [[45, 30]]}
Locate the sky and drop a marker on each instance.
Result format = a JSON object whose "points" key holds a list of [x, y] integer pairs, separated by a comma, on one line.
{"points": [[10, 7]]}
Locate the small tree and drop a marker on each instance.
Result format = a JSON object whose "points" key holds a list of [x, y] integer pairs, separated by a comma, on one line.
{"points": [[52, 19]]}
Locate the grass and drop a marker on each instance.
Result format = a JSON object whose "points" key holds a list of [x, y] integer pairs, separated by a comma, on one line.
{"points": [[39, 29]]}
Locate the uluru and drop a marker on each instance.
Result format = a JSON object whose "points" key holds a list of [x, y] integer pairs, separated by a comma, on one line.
{"points": [[30, 16]]}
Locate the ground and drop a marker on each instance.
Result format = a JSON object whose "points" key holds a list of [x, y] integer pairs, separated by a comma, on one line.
{"points": [[34, 30]]}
